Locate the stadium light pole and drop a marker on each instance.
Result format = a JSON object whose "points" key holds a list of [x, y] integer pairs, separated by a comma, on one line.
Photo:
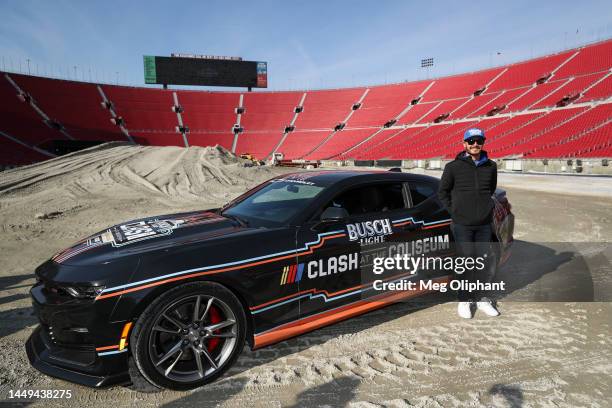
{"points": [[427, 63]]}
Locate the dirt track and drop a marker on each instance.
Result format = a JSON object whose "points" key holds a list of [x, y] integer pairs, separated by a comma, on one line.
{"points": [[535, 354]]}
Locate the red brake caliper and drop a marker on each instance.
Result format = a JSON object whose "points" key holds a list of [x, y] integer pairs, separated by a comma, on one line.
{"points": [[215, 317]]}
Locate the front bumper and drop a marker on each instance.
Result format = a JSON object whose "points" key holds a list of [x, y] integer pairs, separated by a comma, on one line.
{"points": [[74, 340], [73, 365]]}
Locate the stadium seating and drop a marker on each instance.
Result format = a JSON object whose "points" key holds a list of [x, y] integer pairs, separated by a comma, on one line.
{"points": [[209, 111], [270, 112], [590, 59], [528, 72], [501, 99], [443, 108], [571, 130], [325, 109], [602, 90], [458, 86], [77, 106], [552, 106], [383, 103], [20, 120], [416, 112], [143, 109], [509, 144], [472, 105], [258, 144], [573, 87], [534, 94], [338, 143], [299, 143]]}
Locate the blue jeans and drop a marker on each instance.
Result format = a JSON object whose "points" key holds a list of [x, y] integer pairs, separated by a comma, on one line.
{"points": [[472, 241]]}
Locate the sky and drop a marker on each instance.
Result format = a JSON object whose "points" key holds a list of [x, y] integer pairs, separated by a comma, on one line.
{"points": [[307, 44]]}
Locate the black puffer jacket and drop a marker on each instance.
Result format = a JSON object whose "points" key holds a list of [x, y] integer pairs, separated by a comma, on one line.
{"points": [[466, 190]]}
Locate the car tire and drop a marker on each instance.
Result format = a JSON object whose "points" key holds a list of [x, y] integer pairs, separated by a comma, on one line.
{"points": [[139, 382], [168, 339]]}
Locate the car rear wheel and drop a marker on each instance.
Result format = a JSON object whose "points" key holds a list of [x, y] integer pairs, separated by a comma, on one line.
{"points": [[189, 336]]}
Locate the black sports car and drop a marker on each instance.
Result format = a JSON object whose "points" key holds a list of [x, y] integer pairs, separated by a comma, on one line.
{"points": [[173, 298]]}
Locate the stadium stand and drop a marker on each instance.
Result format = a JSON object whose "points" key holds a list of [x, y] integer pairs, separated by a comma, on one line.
{"points": [[259, 145], [590, 59], [528, 72], [458, 86], [573, 87], [209, 111], [602, 90], [74, 105], [270, 111], [325, 109], [143, 109], [384, 103], [553, 106]]}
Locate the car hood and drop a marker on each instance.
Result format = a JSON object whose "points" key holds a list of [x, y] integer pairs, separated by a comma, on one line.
{"points": [[145, 234]]}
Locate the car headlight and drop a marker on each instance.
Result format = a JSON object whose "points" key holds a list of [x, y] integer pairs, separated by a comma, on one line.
{"points": [[83, 292]]}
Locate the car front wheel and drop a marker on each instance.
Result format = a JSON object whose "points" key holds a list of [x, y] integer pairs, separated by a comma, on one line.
{"points": [[189, 336]]}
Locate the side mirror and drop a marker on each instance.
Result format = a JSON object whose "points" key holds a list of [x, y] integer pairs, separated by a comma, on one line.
{"points": [[334, 214], [330, 216]]}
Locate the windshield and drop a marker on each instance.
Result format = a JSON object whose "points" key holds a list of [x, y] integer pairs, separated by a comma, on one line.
{"points": [[275, 203]]}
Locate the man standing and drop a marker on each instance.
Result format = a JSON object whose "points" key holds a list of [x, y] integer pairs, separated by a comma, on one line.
{"points": [[467, 184]]}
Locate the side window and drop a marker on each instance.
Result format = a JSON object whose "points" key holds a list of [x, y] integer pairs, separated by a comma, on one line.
{"points": [[420, 192], [370, 198]]}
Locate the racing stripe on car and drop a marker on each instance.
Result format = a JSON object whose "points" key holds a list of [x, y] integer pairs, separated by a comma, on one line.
{"points": [[426, 225], [107, 350], [314, 293], [329, 316], [308, 248], [299, 272], [284, 275]]}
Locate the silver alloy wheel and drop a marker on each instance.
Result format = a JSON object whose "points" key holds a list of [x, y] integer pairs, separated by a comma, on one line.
{"points": [[192, 338]]}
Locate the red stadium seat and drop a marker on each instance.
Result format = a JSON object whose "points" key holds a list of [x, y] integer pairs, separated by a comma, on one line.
{"points": [[519, 116]]}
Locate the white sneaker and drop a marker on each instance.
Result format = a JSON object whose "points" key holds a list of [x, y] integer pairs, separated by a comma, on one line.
{"points": [[488, 308], [464, 309]]}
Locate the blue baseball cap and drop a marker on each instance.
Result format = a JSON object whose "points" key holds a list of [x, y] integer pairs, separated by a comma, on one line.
{"points": [[473, 132]]}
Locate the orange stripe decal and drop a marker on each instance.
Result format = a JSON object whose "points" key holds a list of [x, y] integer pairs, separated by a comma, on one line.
{"points": [[115, 346], [436, 226], [344, 312], [325, 292]]}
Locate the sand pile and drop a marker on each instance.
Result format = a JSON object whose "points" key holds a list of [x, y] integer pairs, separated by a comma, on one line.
{"points": [[194, 173]]}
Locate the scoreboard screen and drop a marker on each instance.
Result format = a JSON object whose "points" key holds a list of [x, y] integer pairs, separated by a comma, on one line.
{"points": [[205, 72]]}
